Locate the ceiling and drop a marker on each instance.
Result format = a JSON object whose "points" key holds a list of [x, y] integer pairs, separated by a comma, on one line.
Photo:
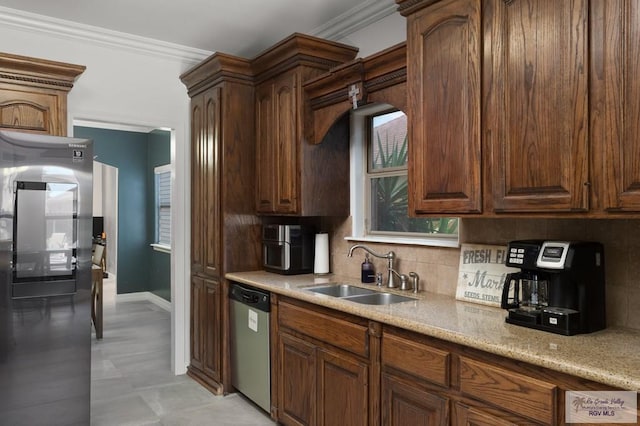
{"points": [[240, 27]]}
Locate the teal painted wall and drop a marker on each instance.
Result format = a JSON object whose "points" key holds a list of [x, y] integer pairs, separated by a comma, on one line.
{"points": [[158, 154], [140, 268]]}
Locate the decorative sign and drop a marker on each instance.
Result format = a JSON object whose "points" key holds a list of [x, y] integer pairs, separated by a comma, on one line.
{"points": [[481, 273]]}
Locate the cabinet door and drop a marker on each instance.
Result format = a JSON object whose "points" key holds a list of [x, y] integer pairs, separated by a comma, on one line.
{"points": [[211, 328], [205, 182], [536, 114], [206, 327], [297, 381], [616, 105], [265, 149], [343, 391], [286, 89], [197, 313], [32, 112], [198, 197], [404, 404], [469, 416], [443, 90], [277, 119]]}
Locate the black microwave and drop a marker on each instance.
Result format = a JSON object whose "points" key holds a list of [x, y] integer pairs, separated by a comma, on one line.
{"points": [[288, 249]]}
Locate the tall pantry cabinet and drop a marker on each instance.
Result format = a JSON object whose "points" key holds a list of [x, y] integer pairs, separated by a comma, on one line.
{"points": [[224, 228]]}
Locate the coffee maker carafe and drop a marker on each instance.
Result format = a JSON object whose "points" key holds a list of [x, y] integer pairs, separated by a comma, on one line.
{"points": [[560, 287]]}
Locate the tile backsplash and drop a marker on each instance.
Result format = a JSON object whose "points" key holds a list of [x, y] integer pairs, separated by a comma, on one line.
{"points": [[438, 267]]}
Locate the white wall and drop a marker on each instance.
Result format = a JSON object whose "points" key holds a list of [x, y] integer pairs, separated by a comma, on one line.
{"points": [[384, 33]]}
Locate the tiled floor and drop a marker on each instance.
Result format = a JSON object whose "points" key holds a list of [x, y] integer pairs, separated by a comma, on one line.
{"points": [[131, 379]]}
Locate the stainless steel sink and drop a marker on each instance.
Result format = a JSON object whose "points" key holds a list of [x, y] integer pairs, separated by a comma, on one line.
{"points": [[380, 299], [360, 295], [341, 290]]}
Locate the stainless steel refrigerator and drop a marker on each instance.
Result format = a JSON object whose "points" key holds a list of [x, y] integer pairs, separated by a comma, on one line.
{"points": [[45, 279]]}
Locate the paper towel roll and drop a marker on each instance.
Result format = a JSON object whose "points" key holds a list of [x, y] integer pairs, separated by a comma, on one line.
{"points": [[321, 259]]}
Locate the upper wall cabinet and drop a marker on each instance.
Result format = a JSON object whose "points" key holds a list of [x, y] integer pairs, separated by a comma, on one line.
{"points": [[443, 92], [536, 115], [33, 94], [615, 103], [295, 177], [523, 107]]}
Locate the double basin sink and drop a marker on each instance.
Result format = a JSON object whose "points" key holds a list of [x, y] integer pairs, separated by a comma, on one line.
{"points": [[360, 295]]}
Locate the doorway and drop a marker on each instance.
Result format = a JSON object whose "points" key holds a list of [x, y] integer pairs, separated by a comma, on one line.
{"points": [[105, 206]]}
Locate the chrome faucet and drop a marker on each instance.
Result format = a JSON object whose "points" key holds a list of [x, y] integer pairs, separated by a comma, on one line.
{"points": [[390, 256]]}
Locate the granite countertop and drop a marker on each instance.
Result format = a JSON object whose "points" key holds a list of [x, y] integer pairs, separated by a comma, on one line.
{"points": [[610, 356]]}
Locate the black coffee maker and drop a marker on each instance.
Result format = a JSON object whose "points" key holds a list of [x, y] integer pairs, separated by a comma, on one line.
{"points": [[560, 287]]}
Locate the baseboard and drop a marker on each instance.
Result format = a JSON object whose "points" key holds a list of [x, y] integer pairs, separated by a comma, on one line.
{"points": [[145, 296]]}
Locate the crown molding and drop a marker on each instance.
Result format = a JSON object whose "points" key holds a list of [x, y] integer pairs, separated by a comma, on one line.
{"points": [[336, 29], [355, 19], [72, 30]]}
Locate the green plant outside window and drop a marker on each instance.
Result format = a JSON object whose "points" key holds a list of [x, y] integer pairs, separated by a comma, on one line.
{"points": [[387, 173]]}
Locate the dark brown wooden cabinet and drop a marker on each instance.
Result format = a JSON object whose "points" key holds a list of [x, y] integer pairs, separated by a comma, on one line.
{"points": [[205, 180], [343, 391], [206, 329], [615, 102], [297, 381], [326, 375], [224, 229], [277, 130], [536, 105], [520, 107], [291, 171], [33, 94], [403, 403], [443, 93]]}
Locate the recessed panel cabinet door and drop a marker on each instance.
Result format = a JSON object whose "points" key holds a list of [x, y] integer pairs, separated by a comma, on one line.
{"points": [[265, 149], [405, 404], [443, 90], [211, 328], [286, 96], [536, 123], [31, 112], [616, 107], [211, 181], [343, 390], [297, 384], [197, 185], [205, 182]]}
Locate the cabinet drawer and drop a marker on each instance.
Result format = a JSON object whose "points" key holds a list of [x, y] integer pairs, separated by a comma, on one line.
{"points": [[333, 330], [420, 360], [511, 391]]}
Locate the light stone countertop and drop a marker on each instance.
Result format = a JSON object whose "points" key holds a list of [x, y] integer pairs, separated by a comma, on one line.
{"points": [[610, 356]]}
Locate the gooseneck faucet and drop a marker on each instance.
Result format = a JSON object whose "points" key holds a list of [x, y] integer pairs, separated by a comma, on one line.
{"points": [[390, 256]]}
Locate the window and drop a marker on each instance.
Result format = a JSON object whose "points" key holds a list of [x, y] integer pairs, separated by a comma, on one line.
{"points": [[163, 206], [379, 148]]}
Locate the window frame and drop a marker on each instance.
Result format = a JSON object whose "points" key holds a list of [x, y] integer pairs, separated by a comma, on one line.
{"points": [[360, 185], [157, 172]]}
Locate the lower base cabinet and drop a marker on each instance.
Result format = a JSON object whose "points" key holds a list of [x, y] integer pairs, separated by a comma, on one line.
{"points": [[404, 404], [343, 397], [297, 381], [338, 369], [206, 333], [318, 383]]}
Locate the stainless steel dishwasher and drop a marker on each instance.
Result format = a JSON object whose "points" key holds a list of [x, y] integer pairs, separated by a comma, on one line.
{"points": [[250, 365]]}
